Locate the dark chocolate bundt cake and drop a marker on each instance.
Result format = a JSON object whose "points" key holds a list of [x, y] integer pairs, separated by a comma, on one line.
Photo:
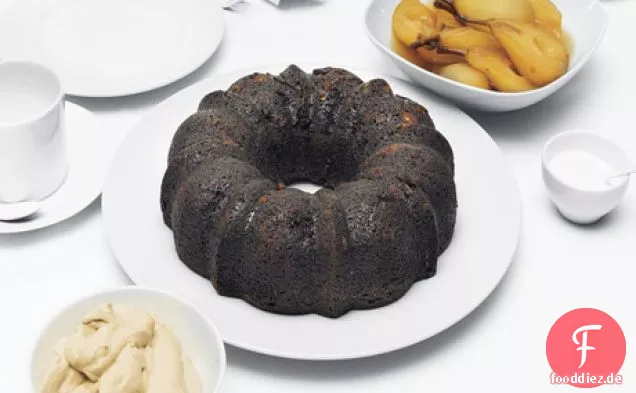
{"points": [[385, 214]]}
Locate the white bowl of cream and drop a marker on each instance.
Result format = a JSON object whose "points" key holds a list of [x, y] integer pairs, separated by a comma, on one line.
{"points": [[577, 166], [129, 340]]}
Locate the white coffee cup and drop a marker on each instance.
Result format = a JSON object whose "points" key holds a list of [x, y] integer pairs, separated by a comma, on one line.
{"points": [[33, 163]]}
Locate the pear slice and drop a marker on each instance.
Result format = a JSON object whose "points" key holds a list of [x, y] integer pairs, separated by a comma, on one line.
{"points": [[466, 74], [496, 65], [432, 56], [423, 57], [409, 54], [445, 20], [548, 16], [460, 40], [413, 22], [481, 10], [464, 38], [536, 54]]}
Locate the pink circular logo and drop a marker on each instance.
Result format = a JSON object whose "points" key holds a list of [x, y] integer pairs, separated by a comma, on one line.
{"points": [[586, 348]]}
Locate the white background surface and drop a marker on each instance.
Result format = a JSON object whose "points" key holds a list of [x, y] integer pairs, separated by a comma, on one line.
{"points": [[500, 347]]}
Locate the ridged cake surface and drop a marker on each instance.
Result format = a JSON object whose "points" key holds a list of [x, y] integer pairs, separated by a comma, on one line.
{"points": [[385, 214]]}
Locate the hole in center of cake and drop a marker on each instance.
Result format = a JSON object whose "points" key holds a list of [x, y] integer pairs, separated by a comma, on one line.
{"points": [[307, 187]]}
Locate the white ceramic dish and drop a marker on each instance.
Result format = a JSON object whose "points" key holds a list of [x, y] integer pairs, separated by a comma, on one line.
{"points": [[584, 20], [482, 249], [116, 47], [579, 205], [198, 336], [89, 152]]}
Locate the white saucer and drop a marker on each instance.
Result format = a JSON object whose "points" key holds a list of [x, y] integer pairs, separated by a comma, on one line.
{"points": [[89, 155], [115, 47], [486, 236]]}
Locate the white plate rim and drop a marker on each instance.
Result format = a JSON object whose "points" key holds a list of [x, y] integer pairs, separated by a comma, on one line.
{"points": [[100, 154], [229, 338], [159, 83]]}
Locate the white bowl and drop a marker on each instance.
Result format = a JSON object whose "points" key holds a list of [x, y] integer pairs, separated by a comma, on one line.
{"points": [[585, 206], [199, 338], [585, 21]]}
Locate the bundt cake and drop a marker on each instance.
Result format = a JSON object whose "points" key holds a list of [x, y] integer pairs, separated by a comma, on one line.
{"points": [[385, 213]]}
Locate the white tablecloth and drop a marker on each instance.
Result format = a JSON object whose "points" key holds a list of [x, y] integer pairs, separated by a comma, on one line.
{"points": [[500, 347]]}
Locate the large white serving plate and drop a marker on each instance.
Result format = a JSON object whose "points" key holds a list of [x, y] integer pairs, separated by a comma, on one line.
{"points": [[486, 237], [106, 48], [584, 21]]}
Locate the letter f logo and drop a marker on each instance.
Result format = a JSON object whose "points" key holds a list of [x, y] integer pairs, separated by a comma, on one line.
{"points": [[583, 344]]}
